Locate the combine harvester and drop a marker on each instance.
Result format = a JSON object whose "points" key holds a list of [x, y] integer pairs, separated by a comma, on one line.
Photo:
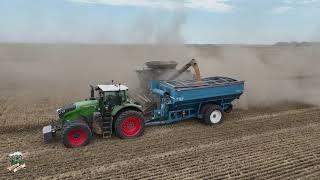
{"points": [[167, 99]]}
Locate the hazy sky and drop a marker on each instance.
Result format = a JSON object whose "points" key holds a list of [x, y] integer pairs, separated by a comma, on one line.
{"points": [[152, 21]]}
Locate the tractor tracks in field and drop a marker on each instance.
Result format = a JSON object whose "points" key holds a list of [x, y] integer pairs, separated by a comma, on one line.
{"points": [[197, 161], [281, 113], [185, 130], [4, 106], [189, 135], [189, 156]]}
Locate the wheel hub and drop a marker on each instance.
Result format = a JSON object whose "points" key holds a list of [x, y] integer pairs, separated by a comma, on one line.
{"points": [[215, 116], [131, 126], [77, 137]]}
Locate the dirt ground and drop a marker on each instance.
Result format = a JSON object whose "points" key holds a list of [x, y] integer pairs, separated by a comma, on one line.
{"points": [[281, 141]]}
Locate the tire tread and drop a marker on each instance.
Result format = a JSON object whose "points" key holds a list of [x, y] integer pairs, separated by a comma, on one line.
{"points": [[124, 115], [208, 111]]}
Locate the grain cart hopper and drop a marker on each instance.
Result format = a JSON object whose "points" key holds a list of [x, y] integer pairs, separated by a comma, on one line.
{"points": [[206, 100], [160, 70]]}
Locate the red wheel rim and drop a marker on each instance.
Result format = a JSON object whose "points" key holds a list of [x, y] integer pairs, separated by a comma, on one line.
{"points": [[77, 137], [131, 126]]}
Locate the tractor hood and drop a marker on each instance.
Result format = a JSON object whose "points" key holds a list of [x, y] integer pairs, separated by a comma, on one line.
{"points": [[84, 104], [65, 109], [77, 110]]}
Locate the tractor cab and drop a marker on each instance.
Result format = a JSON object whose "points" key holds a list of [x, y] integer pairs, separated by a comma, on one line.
{"points": [[110, 95]]}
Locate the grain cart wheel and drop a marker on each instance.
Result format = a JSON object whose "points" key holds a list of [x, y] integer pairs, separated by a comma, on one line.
{"points": [[129, 124], [213, 115], [76, 134], [229, 109], [204, 108]]}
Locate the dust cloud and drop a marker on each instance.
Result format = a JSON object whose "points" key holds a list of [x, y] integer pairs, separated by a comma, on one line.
{"points": [[41, 70], [57, 70], [272, 74]]}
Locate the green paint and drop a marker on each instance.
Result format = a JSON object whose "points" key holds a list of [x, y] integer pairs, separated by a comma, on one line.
{"points": [[127, 104], [86, 109]]}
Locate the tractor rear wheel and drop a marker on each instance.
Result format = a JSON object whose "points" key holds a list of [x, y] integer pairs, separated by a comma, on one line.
{"points": [[129, 124], [76, 134], [213, 115]]}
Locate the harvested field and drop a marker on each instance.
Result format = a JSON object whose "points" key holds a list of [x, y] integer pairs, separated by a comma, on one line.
{"points": [[281, 141], [277, 144]]}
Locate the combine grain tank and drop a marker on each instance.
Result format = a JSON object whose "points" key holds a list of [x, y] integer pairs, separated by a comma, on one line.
{"points": [[159, 70]]}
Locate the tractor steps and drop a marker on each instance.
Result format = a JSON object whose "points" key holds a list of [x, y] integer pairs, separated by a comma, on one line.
{"points": [[107, 125]]}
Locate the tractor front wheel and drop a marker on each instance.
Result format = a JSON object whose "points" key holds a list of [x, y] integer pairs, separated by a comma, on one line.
{"points": [[129, 124], [76, 134]]}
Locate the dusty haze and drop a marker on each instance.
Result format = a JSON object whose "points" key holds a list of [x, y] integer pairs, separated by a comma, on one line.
{"points": [[273, 74]]}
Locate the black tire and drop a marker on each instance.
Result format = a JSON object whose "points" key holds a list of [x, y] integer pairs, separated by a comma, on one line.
{"points": [[213, 115], [131, 118], [229, 109], [76, 134], [204, 108]]}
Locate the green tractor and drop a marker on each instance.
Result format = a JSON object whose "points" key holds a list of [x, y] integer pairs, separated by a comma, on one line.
{"points": [[108, 111]]}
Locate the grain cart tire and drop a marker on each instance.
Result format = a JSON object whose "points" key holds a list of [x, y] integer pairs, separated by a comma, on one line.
{"points": [[229, 109], [213, 115], [129, 124], [76, 134], [203, 110]]}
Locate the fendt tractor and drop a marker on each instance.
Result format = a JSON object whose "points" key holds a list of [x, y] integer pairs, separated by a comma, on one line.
{"points": [[166, 98]]}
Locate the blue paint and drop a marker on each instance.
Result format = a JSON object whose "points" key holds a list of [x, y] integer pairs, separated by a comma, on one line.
{"points": [[181, 100]]}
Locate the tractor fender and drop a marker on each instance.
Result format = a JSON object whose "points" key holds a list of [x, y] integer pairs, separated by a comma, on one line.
{"points": [[119, 109]]}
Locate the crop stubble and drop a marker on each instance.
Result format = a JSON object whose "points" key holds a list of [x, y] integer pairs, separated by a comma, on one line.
{"points": [[278, 143]]}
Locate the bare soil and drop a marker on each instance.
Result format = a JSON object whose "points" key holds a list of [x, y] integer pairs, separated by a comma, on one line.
{"points": [[281, 141]]}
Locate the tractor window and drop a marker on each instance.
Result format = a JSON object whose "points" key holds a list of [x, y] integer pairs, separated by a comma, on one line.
{"points": [[115, 97], [109, 94], [123, 95]]}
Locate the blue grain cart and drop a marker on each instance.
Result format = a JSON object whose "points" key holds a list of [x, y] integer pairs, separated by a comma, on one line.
{"points": [[207, 99]]}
